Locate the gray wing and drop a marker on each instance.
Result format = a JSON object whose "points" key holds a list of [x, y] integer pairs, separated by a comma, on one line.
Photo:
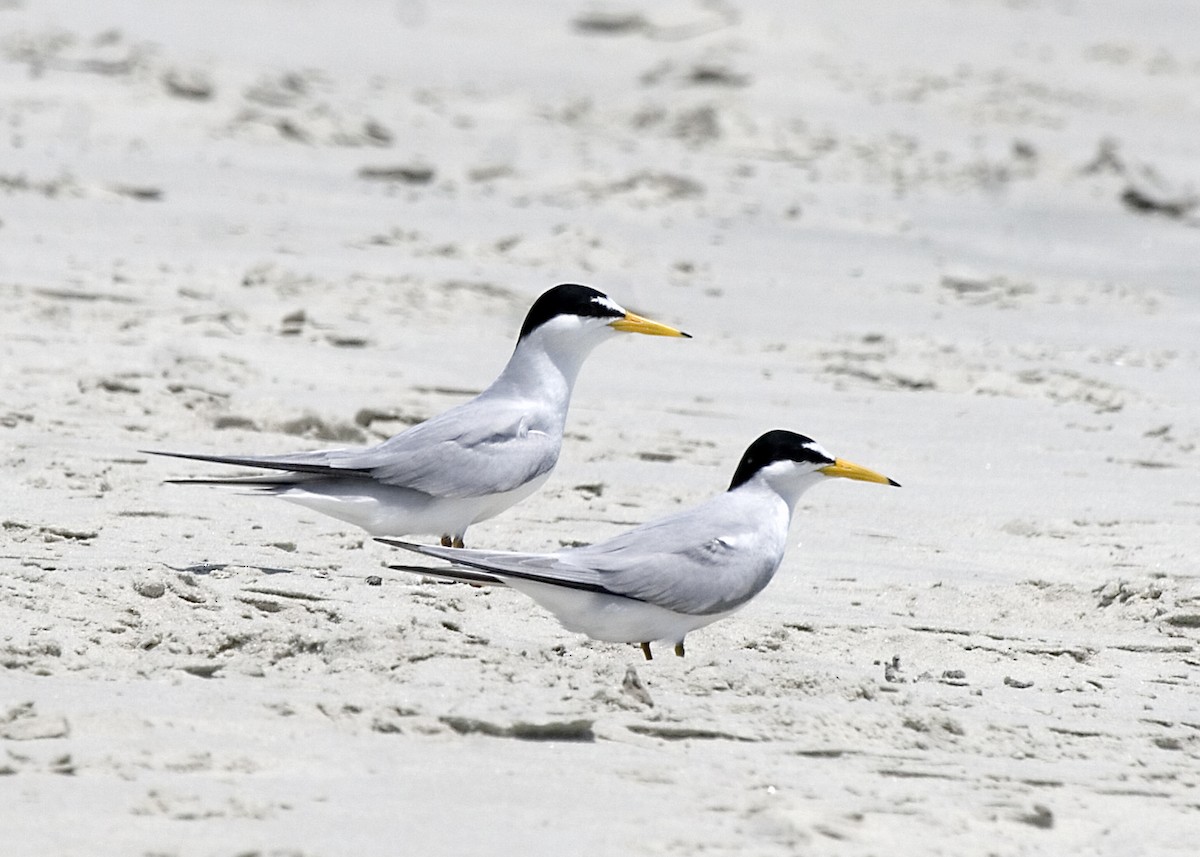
{"points": [[708, 559], [482, 447]]}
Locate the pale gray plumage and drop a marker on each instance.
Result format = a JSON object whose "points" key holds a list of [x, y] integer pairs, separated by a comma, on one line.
{"points": [[670, 576], [474, 460]]}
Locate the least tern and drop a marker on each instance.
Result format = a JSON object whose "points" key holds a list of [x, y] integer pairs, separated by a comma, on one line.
{"points": [[673, 575], [471, 462]]}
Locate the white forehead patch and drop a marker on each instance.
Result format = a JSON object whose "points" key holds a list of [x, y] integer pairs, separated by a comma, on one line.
{"points": [[818, 449], [608, 303]]}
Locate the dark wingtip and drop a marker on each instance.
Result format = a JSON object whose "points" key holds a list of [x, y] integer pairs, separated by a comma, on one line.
{"points": [[167, 453], [400, 543]]}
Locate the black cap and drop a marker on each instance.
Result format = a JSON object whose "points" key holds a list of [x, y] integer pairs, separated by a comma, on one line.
{"points": [[777, 445], [569, 299]]}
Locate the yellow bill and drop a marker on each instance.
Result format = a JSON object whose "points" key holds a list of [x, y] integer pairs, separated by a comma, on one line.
{"points": [[632, 323], [841, 467]]}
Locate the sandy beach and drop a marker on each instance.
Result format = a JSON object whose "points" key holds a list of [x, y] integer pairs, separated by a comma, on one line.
{"points": [[955, 241]]}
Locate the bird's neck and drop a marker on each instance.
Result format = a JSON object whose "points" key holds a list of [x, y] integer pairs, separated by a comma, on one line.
{"points": [[539, 373], [787, 490]]}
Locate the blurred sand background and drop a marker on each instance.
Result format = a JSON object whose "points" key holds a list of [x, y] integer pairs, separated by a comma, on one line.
{"points": [[954, 240]]}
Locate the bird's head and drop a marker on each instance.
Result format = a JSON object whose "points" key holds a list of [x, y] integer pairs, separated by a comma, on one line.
{"points": [[791, 463], [573, 316]]}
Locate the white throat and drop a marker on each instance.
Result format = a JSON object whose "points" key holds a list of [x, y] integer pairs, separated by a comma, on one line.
{"points": [[786, 481], [546, 362]]}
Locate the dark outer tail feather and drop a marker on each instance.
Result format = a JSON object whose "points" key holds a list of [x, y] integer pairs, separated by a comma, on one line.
{"points": [[264, 463], [460, 560], [249, 481], [458, 575]]}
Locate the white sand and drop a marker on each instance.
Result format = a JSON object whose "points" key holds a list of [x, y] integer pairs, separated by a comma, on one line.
{"points": [[909, 230]]}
